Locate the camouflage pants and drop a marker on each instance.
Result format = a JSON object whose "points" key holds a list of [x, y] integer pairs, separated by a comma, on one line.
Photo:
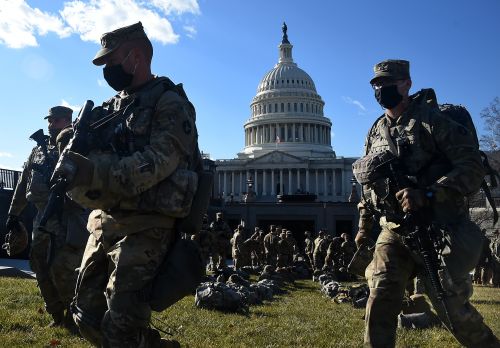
{"points": [[111, 307], [393, 265], [57, 282]]}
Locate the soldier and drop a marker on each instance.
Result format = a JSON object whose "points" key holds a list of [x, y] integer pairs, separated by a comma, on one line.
{"points": [[285, 251], [320, 249], [443, 158], [139, 175], [270, 246], [333, 259], [495, 258], [348, 249], [55, 273], [221, 235], [293, 244], [237, 248], [308, 248], [205, 240]]}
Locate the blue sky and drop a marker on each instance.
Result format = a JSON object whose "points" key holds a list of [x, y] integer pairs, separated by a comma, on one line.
{"points": [[220, 49]]}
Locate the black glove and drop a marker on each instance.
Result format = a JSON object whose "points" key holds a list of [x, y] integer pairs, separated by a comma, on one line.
{"points": [[12, 222]]}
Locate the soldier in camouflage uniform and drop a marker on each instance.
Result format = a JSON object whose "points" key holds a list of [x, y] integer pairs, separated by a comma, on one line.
{"points": [[285, 251], [308, 249], [205, 240], [320, 249], [238, 251], [333, 259], [140, 176], [444, 158], [293, 244], [495, 258], [270, 246], [221, 236], [348, 249], [57, 279]]}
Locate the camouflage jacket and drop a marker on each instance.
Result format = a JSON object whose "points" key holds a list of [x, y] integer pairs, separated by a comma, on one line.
{"points": [[147, 177], [439, 152], [33, 185]]}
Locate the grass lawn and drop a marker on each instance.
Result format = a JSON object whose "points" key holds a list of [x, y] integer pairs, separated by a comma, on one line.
{"points": [[302, 318]]}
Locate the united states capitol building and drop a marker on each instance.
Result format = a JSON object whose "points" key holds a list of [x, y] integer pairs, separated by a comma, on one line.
{"points": [[287, 172]]}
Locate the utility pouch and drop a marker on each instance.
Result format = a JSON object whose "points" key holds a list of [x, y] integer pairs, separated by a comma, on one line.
{"points": [[179, 275], [361, 260]]}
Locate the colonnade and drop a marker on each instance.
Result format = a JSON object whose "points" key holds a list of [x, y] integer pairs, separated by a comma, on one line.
{"points": [[271, 182], [288, 132]]}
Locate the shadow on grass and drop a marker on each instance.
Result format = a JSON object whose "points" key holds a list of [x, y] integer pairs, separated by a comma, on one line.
{"points": [[488, 302]]}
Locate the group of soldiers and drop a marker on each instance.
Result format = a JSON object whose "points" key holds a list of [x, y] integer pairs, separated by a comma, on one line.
{"points": [[278, 247], [487, 270]]}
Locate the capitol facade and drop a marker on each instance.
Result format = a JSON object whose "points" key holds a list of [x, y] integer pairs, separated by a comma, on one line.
{"points": [[287, 151]]}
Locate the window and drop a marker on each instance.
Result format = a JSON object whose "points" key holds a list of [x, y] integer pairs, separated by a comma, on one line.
{"points": [[276, 107], [282, 107], [307, 107], [289, 107], [301, 107], [295, 107]]}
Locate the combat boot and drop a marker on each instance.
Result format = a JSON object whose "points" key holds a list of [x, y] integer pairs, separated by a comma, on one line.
{"points": [[57, 319], [69, 323]]}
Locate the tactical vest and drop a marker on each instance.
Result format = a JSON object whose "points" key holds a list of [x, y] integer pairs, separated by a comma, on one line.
{"points": [[40, 169], [413, 142], [131, 132]]}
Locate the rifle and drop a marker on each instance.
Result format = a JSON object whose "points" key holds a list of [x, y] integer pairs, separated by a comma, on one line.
{"points": [[79, 143], [418, 230]]}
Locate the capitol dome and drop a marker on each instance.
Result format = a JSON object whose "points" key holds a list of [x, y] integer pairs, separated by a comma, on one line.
{"points": [[287, 112]]}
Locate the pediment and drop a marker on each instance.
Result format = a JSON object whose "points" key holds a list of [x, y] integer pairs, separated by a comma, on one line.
{"points": [[277, 157]]}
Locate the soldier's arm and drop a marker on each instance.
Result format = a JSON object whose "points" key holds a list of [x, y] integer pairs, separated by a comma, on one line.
{"points": [[458, 146], [173, 138], [19, 201]]}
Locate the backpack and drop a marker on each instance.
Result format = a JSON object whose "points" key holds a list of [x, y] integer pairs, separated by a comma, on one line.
{"points": [[459, 114]]}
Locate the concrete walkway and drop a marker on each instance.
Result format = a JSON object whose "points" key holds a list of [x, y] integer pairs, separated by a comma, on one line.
{"points": [[15, 268]]}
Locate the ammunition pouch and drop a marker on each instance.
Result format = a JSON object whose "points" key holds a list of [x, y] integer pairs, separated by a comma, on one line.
{"points": [[179, 274], [373, 167], [361, 260]]}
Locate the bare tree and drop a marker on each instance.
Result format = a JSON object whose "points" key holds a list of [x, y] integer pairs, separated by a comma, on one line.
{"points": [[490, 140]]}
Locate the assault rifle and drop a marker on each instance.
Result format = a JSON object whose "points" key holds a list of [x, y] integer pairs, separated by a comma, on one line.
{"points": [[417, 229], [78, 143]]}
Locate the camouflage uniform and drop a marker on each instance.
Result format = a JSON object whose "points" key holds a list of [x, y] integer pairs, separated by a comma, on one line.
{"points": [[221, 235], [444, 159], [309, 249], [495, 259], [333, 259], [138, 190], [57, 280], [205, 241], [285, 251], [238, 252], [270, 246], [320, 249]]}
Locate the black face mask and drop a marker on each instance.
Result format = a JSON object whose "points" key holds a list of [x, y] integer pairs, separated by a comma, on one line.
{"points": [[388, 96], [116, 77]]}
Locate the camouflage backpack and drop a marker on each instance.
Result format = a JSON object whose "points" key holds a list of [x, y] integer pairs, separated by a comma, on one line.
{"points": [[459, 114]]}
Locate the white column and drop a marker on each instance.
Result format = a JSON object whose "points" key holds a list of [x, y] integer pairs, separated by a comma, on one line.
{"points": [[225, 182], [273, 190], [290, 181], [241, 182], [277, 132], [264, 182], [307, 179], [301, 133], [220, 187], [293, 132], [247, 176], [317, 189], [298, 178], [255, 181], [281, 182], [341, 182], [325, 188], [232, 182], [285, 137]]}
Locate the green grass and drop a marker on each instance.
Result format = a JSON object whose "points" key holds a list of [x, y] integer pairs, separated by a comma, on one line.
{"points": [[302, 318]]}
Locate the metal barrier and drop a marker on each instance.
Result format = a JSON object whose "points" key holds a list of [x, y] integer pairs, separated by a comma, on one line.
{"points": [[8, 178]]}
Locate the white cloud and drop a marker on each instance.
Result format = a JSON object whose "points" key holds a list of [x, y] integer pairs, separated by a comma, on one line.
{"points": [[101, 82], [6, 154], [73, 107], [20, 23], [177, 6], [349, 100], [190, 31]]}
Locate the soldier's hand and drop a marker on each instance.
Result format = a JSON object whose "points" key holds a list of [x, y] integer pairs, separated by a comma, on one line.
{"points": [[362, 237], [411, 199], [76, 169]]}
